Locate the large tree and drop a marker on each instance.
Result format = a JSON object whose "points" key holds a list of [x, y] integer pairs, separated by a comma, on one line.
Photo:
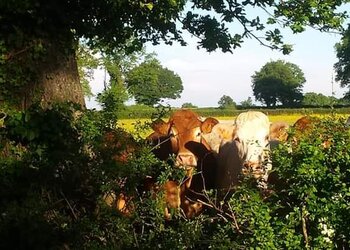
{"points": [[278, 82], [342, 67], [38, 39], [149, 82]]}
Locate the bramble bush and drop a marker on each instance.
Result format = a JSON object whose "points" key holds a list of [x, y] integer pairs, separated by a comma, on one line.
{"points": [[56, 167]]}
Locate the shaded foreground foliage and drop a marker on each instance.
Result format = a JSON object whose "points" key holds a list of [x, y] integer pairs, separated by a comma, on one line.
{"points": [[55, 168]]}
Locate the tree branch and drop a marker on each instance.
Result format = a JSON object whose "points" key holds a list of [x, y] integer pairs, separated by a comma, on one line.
{"points": [[303, 224], [16, 53]]}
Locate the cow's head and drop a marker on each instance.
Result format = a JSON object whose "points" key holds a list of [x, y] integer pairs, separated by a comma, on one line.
{"points": [[184, 126], [279, 131], [252, 141]]}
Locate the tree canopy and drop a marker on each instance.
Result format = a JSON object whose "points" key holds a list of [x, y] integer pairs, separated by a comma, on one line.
{"points": [[318, 99], [38, 39], [342, 67], [278, 82], [150, 82], [112, 23]]}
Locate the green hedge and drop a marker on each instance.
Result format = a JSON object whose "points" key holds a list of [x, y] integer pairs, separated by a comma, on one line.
{"points": [[55, 167]]}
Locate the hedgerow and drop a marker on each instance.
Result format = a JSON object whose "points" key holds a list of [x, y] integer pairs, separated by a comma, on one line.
{"points": [[55, 169]]}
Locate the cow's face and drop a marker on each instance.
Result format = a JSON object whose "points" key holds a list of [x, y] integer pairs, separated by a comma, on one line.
{"points": [[184, 126], [253, 153], [252, 141]]}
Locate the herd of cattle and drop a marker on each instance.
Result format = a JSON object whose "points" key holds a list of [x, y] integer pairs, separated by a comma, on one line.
{"points": [[214, 155]]}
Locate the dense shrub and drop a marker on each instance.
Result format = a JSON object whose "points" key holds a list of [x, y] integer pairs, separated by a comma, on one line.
{"points": [[316, 180], [56, 165], [46, 182]]}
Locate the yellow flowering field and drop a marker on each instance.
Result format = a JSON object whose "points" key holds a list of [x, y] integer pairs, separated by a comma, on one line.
{"points": [[135, 126], [139, 126]]}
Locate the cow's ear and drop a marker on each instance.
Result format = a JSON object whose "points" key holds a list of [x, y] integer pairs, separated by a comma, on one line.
{"points": [[161, 127], [208, 125]]}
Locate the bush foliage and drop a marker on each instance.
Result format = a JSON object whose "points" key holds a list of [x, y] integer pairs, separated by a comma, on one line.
{"points": [[56, 166]]}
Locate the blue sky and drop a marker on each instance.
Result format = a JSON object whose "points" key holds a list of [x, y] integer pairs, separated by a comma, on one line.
{"points": [[208, 76]]}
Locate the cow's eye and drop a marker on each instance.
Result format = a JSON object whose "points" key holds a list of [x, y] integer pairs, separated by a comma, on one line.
{"points": [[171, 134]]}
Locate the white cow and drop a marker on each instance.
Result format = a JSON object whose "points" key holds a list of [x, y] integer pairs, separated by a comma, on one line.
{"points": [[246, 152]]}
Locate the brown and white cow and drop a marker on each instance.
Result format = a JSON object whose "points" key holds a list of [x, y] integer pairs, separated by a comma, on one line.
{"points": [[183, 136], [223, 131], [119, 146], [247, 152], [308, 124], [171, 137], [278, 133], [124, 204]]}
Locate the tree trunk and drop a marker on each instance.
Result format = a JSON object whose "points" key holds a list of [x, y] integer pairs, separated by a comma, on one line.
{"points": [[57, 79]]}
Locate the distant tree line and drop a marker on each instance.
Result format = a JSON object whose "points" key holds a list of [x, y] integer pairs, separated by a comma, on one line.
{"points": [[279, 84], [276, 84]]}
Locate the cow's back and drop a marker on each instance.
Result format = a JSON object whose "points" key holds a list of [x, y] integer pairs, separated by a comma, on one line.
{"points": [[222, 131]]}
